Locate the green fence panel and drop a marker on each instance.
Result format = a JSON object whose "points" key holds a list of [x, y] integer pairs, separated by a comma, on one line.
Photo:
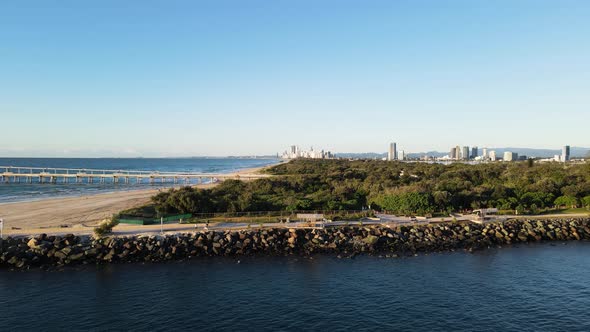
{"points": [[177, 217], [132, 221]]}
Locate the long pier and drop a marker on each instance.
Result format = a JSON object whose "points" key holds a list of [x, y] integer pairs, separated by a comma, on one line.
{"points": [[19, 174]]}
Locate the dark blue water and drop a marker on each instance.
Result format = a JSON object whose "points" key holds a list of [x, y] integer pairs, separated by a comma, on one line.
{"points": [[26, 192], [529, 288]]}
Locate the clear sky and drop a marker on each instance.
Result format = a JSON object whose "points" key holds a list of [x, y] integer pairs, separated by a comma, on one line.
{"points": [[182, 78]]}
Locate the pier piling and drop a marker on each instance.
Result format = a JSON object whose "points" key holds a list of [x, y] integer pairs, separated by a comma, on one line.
{"points": [[39, 175]]}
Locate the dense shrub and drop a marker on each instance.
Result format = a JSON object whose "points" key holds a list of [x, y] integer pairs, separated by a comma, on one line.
{"points": [[409, 188], [105, 227]]}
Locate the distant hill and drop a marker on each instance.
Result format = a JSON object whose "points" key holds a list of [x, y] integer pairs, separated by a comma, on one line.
{"points": [[575, 152]]}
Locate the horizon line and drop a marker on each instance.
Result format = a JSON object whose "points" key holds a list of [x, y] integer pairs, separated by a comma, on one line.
{"points": [[262, 156]]}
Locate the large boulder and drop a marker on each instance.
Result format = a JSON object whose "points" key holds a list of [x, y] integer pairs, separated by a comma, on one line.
{"points": [[371, 239], [34, 243]]}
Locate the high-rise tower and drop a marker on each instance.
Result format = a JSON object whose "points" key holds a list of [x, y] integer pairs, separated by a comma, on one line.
{"points": [[565, 153], [465, 153], [474, 152], [453, 153], [392, 153]]}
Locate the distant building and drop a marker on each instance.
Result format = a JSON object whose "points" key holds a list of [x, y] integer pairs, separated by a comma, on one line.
{"points": [[492, 155], [510, 156], [296, 152], [457, 153], [452, 153], [392, 153], [565, 153], [465, 153], [401, 155], [485, 154], [474, 152]]}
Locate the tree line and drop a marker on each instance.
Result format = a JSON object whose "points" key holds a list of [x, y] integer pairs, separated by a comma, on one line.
{"points": [[400, 187]]}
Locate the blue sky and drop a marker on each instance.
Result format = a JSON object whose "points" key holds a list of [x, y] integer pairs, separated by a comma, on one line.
{"points": [[178, 78]]}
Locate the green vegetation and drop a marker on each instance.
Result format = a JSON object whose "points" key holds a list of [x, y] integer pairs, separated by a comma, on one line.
{"points": [[401, 188], [408, 203], [567, 211], [105, 227], [566, 201]]}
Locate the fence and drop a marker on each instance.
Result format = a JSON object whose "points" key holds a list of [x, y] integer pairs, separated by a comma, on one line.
{"points": [[249, 217], [275, 216], [151, 221]]}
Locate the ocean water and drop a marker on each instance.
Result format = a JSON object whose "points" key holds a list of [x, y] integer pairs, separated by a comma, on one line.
{"points": [[15, 192], [537, 287]]}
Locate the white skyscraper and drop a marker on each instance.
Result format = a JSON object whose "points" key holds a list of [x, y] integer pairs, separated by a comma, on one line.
{"points": [[510, 156], [493, 155]]}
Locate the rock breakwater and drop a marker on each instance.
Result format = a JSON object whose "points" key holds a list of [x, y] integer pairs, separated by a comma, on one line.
{"points": [[55, 251]]}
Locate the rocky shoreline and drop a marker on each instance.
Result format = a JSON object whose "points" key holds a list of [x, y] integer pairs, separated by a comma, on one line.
{"points": [[48, 252]]}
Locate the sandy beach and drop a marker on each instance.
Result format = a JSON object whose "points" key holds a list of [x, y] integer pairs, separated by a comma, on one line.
{"points": [[76, 212]]}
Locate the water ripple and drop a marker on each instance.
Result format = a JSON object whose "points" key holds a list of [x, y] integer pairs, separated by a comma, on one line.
{"points": [[529, 288]]}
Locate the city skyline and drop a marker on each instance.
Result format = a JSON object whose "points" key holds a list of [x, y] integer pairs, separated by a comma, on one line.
{"points": [[208, 79], [384, 152]]}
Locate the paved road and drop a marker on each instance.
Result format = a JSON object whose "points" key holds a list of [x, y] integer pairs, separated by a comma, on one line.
{"points": [[172, 228]]}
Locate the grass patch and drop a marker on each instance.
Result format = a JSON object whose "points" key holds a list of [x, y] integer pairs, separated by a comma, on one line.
{"points": [[567, 211], [231, 220]]}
